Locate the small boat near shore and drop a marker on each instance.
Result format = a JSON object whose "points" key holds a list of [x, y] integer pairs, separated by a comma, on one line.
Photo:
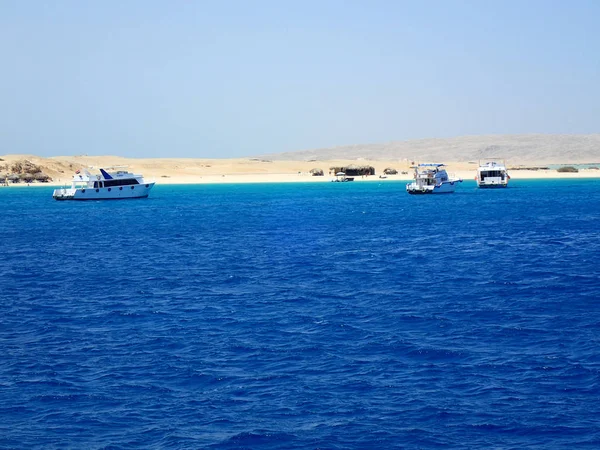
{"points": [[108, 185], [341, 177], [431, 179], [492, 174]]}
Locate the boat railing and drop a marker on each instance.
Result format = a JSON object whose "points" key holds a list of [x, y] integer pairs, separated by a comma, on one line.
{"points": [[492, 162]]}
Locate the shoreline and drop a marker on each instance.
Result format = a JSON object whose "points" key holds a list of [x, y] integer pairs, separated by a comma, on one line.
{"points": [[171, 171], [291, 178]]}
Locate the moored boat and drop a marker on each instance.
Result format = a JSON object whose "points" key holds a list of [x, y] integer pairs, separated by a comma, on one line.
{"points": [[492, 174], [114, 185], [432, 179], [342, 178]]}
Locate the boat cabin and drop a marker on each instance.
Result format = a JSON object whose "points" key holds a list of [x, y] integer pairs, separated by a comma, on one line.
{"points": [[431, 174]]}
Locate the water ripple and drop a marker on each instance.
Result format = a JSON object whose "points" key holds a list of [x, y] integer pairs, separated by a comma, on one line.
{"points": [[302, 316]]}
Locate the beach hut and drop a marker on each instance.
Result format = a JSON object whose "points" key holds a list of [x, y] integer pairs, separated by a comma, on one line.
{"points": [[14, 178], [316, 172], [368, 170], [27, 177], [390, 171], [354, 170], [567, 169], [41, 177]]}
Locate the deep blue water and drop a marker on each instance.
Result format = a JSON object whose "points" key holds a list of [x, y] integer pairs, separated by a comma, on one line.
{"points": [[302, 316]]}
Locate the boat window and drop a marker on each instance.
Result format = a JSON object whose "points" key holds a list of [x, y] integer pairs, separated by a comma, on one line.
{"points": [[491, 173], [126, 182]]}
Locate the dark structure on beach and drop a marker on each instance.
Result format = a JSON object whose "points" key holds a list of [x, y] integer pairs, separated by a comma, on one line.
{"points": [[42, 178], [567, 169], [354, 170]]}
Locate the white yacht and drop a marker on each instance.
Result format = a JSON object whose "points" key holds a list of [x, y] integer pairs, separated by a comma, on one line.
{"points": [[431, 179], [116, 184], [492, 174]]}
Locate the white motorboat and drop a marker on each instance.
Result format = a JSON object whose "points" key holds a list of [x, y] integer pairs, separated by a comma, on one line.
{"points": [[432, 179], [114, 185], [342, 178], [492, 174]]}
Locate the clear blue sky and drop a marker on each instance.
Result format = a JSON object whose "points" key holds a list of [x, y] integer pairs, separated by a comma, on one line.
{"points": [[237, 78]]}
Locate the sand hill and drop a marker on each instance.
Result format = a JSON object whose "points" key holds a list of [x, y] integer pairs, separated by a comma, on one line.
{"points": [[461, 155], [516, 149]]}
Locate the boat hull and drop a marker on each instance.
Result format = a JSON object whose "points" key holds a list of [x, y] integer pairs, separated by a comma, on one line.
{"points": [[492, 186], [491, 182], [447, 187], [111, 193]]}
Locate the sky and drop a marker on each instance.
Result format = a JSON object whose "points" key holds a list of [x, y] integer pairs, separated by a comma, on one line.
{"points": [[212, 79]]}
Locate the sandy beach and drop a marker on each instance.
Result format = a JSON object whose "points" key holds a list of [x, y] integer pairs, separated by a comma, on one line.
{"points": [[254, 170]]}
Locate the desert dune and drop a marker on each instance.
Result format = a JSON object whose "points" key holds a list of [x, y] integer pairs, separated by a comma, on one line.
{"points": [[526, 156]]}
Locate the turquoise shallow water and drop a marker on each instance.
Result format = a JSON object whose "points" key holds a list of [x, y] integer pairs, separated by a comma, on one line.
{"points": [[335, 315], [577, 166]]}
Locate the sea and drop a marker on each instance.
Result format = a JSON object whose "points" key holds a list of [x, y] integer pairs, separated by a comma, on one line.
{"points": [[302, 316]]}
